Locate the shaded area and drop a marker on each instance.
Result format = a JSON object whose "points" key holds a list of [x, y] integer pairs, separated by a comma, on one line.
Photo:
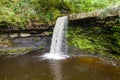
{"points": [[95, 21]]}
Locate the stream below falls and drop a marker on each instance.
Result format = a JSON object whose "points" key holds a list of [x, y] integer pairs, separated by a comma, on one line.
{"points": [[33, 67]]}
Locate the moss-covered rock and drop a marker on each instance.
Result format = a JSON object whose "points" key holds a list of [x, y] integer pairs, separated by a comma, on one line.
{"points": [[15, 52], [96, 40]]}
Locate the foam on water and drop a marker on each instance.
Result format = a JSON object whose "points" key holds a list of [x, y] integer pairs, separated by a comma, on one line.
{"points": [[54, 56]]}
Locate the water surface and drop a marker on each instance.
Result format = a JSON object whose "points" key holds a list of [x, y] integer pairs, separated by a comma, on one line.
{"points": [[33, 67]]}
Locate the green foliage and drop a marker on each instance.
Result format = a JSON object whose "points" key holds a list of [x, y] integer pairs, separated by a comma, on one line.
{"points": [[111, 10], [93, 40], [21, 12], [50, 11], [89, 41], [88, 5], [116, 37]]}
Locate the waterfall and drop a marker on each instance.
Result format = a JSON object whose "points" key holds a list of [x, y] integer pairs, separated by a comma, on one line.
{"points": [[59, 45], [58, 49]]}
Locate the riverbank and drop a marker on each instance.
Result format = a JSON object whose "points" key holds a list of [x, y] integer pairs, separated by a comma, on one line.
{"points": [[72, 52], [15, 47], [106, 58]]}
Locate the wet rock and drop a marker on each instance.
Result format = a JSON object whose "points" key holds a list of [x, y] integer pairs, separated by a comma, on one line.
{"points": [[24, 35], [20, 46], [14, 35]]}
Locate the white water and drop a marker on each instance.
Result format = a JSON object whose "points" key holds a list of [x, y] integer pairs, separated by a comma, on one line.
{"points": [[58, 48]]}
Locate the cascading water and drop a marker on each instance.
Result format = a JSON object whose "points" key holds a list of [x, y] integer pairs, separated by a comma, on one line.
{"points": [[58, 48]]}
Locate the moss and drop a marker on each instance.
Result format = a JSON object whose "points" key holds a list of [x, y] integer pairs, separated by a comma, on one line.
{"points": [[86, 40], [41, 47], [95, 40], [15, 51]]}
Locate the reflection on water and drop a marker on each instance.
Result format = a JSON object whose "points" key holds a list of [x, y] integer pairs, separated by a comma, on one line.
{"points": [[55, 67], [30, 67]]}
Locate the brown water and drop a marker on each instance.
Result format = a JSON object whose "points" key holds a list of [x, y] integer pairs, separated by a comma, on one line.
{"points": [[33, 67]]}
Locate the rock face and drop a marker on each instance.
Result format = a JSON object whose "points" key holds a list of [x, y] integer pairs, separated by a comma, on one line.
{"points": [[14, 47], [5, 43], [85, 15], [97, 13]]}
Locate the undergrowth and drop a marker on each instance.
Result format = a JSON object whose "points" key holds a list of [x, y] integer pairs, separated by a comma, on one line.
{"points": [[96, 40]]}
